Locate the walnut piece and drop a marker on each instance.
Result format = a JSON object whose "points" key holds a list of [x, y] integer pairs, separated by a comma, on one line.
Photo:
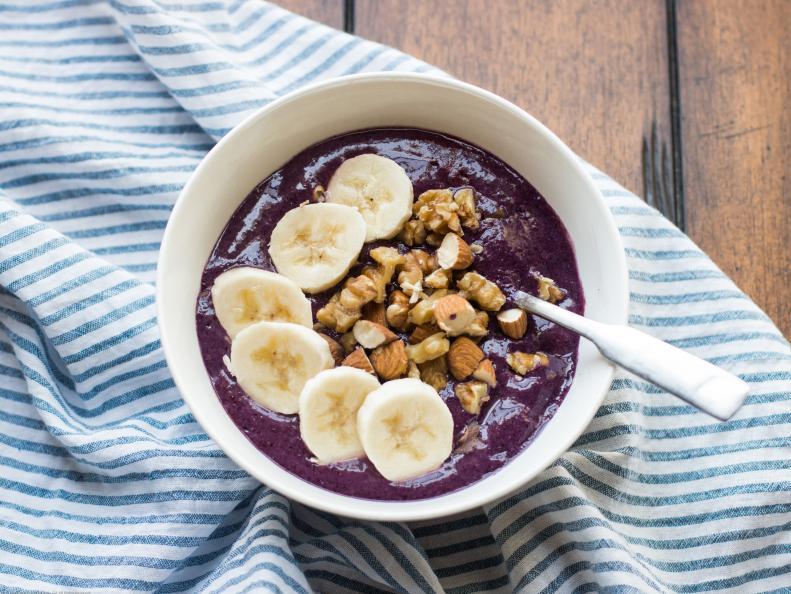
{"points": [[549, 291], [348, 342], [413, 233], [388, 259], [432, 347], [485, 292], [524, 363], [479, 326], [439, 279], [435, 373], [345, 307], [397, 312], [465, 198], [423, 312], [438, 212], [410, 276], [472, 395], [412, 370]]}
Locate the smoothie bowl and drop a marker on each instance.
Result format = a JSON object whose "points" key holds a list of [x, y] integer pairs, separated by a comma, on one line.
{"points": [[335, 296]]}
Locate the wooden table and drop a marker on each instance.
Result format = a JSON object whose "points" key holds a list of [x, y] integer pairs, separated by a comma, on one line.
{"points": [[685, 102]]}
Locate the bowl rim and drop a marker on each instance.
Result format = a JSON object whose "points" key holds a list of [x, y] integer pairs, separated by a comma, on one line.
{"points": [[390, 510]]}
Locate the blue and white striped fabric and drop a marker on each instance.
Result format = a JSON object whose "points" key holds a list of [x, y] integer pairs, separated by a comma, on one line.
{"points": [[106, 481]]}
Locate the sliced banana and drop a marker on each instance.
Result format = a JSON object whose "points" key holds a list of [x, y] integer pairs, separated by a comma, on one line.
{"points": [[328, 412], [405, 428], [244, 296], [379, 188], [315, 244], [272, 361]]}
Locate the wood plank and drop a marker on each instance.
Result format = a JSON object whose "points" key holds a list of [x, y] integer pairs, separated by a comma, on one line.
{"points": [[329, 12], [594, 72], [735, 74]]}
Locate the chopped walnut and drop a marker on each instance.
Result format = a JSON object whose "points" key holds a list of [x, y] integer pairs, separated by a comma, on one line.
{"points": [[470, 438], [432, 347], [435, 373], [427, 262], [485, 292], [348, 342], [439, 279], [345, 307], [549, 291], [388, 259], [434, 239], [524, 363], [423, 312], [412, 370], [472, 395], [465, 198], [397, 311], [413, 233], [410, 275], [479, 326], [438, 212], [319, 194], [422, 332]]}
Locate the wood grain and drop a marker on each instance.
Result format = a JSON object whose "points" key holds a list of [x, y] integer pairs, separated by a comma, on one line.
{"points": [[735, 89], [594, 72], [329, 12]]}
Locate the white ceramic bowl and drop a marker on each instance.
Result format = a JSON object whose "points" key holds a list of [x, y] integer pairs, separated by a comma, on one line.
{"points": [[277, 132]]}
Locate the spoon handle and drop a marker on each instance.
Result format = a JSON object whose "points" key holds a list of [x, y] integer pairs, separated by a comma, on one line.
{"points": [[692, 379]]}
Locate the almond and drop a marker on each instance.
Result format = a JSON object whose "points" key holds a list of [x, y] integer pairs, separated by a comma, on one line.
{"points": [[463, 357], [375, 312], [453, 314], [422, 332], [358, 359], [336, 350], [485, 373], [472, 395], [513, 323], [454, 253], [390, 360], [371, 335]]}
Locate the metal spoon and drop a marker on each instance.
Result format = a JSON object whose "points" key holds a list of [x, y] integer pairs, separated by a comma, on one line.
{"points": [[694, 380]]}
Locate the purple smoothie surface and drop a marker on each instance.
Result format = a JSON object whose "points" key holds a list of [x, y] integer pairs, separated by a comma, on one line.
{"points": [[520, 235]]}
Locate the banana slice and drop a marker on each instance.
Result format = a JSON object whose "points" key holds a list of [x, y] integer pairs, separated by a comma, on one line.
{"points": [[379, 188], [272, 361], [315, 244], [328, 412], [405, 428], [244, 296]]}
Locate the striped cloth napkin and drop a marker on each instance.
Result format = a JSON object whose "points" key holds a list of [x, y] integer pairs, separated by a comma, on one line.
{"points": [[108, 484]]}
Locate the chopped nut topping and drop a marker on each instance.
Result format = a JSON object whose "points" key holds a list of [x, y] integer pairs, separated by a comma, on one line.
{"points": [[439, 279], [422, 332], [397, 311], [336, 316], [413, 233], [423, 312], [410, 276], [438, 212], [463, 357], [412, 370], [375, 312], [348, 342], [524, 363], [319, 194], [371, 335], [390, 360], [469, 439], [434, 239], [465, 198], [388, 259], [432, 347], [479, 326], [476, 248], [472, 395], [485, 292], [358, 359], [336, 350], [549, 291], [435, 373], [485, 373], [453, 314], [454, 253], [513, 323]]}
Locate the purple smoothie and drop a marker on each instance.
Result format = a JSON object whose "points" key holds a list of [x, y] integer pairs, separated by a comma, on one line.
{"points": [[520, 235]]}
